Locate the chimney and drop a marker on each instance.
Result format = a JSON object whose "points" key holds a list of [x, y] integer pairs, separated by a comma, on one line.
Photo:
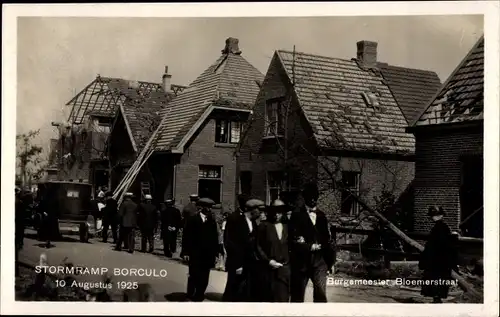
{"points": [[367, 54], [231, 46], [166, 80]]}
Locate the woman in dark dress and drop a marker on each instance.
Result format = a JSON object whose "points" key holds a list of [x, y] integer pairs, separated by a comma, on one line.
{"points": [[272, 251], [438, 259]]}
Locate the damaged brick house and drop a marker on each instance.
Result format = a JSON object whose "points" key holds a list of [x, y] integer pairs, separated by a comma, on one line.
{"points": [[318, 118], [194, 148], [83, 152], [449, 149]]}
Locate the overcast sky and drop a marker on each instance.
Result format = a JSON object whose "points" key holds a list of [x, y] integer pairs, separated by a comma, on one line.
{"points": [[57, 57]]}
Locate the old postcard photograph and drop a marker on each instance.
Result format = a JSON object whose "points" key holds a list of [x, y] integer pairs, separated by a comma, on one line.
{"points": [[251, 159]]}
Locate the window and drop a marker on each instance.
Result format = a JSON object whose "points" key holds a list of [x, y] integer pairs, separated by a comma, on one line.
{"points": [[246, 183], [350, 180], [275, 124], [210, 182], [277, 185], [371, 99], [227, 131]]}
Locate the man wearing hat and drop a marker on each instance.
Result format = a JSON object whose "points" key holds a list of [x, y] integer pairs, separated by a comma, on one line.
{"points": [[200, 247], [190, 209], [240, 263], [110, 218], [148, 221], [439, 257], [128, 223], [171, 221], [311, 252]]}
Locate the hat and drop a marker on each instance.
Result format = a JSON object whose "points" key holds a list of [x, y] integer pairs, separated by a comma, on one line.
{"points": [[206, 202], [193, 196], [169, 201], [254, 203], [278, 203], [435, 211], [148, 197], [310, 191], [129, 194]]}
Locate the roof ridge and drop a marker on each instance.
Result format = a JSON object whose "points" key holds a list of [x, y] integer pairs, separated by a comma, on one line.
{"points": [[409, 68], [315, 55], [119, 78]]}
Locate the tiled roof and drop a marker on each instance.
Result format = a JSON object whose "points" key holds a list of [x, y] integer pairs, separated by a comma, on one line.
{"points": [[330, 92], [412, 88], [461, 97], [230, 78], [104, 95]]}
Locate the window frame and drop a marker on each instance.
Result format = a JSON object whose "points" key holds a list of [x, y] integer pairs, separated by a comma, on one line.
{"points": [[285, 185], [228, 126], [356, 189], [279, 122], [214, 179]]}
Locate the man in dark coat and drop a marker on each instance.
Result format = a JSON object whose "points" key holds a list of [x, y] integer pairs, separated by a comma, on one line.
{"points": [[171, 221], [239, 241], [200, 247], [311, 251], [148, 222], [128, 223], [439, 258], [190, 209], [273, 253], [110, 219]]}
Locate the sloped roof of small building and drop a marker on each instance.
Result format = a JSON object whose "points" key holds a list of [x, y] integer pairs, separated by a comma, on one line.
{"points": [[330, 92], [231, 78], [462, 96], [140, 103], [412, 88]]}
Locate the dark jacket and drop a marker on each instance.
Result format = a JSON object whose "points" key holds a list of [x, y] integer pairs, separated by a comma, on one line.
{"points": [[200, 241], [20, 219], [438, 259], [170, 217], [111, 210], [189, 211], [275, 283], [300, 225], [128, 214], [147, 216], [239, 242]]}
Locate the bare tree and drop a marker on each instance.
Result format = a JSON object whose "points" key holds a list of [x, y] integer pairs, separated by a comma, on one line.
{"points": [[30, 161]]}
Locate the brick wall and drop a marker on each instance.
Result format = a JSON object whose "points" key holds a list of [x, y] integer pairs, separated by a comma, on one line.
{"points": [[438, 171], [375, 174], [203, 151]]}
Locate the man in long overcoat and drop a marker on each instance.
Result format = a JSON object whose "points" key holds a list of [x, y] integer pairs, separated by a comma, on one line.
{"points": [[239, 241], [148, 222], [110, 219], [200, 248], [171, 221], [439, 258], [128, 223], [312, 255]]}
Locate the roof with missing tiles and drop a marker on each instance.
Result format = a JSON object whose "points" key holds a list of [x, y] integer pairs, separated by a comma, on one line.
{"points": [[231, 78], [348, 107], [412, 88], [462, 96]]}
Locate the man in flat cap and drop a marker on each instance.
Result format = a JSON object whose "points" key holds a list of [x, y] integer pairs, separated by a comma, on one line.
{"points": [[128, 223], [200, 248], [239, 241], [148, 222], [311, 252], [171, 221]]}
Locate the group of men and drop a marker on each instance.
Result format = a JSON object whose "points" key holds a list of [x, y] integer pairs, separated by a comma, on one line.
{"points": [[144, 216], [271, 253]]}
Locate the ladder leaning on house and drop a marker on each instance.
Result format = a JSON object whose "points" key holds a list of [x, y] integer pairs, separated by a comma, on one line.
{"points": [[134, 170]]}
